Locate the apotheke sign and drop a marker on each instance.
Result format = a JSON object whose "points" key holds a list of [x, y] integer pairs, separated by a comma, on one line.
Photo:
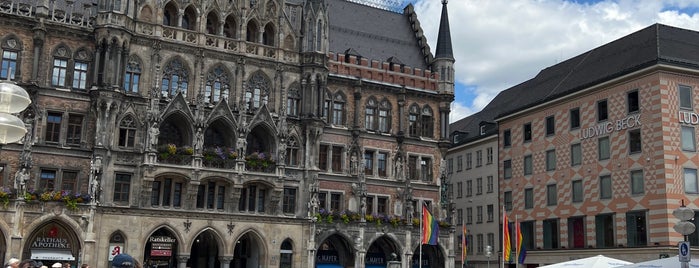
{"points": [[605, 128]]}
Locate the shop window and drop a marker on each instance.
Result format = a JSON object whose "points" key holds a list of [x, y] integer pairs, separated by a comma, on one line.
{"points": [[635, 141], [507, 138], [604, 230], [602, 113], [577, 191], [605, 184], [576, 232], [603, 148], [166, 192], [691, 185], [575, 118], [550, 233], [528, 198], [507, 169], [686, 100], [636, 229], [637, 184], [289, 201], [550, 125], [688, 139], [550, 160], [122, 185], [507, 198], [527, 166], [632, 102], [575, 155], [551, 195], [527, 132]]}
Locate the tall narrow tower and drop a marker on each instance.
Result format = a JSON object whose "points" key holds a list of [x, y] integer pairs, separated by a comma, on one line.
{"points": [[444, 56]]}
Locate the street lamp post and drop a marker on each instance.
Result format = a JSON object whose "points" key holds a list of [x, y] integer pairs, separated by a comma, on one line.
{"points": [[13, 99], [685, 227], [488, 253]]}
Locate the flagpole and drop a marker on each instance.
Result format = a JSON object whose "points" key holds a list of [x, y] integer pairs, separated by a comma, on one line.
{"points": [[516, 241], [503, 236], [422, 211]]}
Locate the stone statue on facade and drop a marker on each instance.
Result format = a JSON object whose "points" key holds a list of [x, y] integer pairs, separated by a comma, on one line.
{"points": [[21, 179], [153, 133], [199, 141]]}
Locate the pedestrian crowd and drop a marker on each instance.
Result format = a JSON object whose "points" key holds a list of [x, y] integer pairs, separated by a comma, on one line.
{"points": [[119, 261]]}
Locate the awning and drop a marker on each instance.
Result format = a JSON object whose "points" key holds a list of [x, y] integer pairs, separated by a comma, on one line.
{"points": [[52, 255]]}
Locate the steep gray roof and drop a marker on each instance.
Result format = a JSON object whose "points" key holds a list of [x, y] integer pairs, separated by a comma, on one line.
{"points": [[444, 49], [656, 44], [376, 34]]}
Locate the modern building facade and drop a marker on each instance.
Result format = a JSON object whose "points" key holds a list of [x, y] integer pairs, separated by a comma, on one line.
{"points": [[234, 133], [472, 169], [596, 152]]}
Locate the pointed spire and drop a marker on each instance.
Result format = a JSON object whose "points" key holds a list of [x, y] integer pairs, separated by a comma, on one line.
{"points": [[444, 49]]}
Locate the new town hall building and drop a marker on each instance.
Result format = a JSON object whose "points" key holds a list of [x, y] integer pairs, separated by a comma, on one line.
{"points": [[593, 154], [266, 133]]}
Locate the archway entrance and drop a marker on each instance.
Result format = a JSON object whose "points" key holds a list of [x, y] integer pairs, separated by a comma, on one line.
{"points": [[431, 257], [161, 249], [52, 242], [335, 252], [381, 251], [204, 252], [249, 252]]}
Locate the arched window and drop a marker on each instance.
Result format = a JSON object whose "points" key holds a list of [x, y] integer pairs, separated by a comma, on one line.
{"points": [[189, 19], [217, 85], [384, 116], [127, 132], [170, 15], [338, 114], [327, 103], [167, 192], [174, 79], [251, 32], [286, 252], [426, 122], [212, 23], [80, 67], [253, 198], [292, 152], [268, 35], [257, 91], [132, 77], [211, 194], [61, 56], [413, 115], [370, 114], [229, 27], [11, 49], [292, 103]]}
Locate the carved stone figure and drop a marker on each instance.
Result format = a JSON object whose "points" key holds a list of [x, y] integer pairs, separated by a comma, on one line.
{"points": [[21, 178], [199, 141], [153, 133]]}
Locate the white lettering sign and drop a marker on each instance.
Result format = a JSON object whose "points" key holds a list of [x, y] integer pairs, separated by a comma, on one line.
{"points": [[690, 118], [609, 127]]}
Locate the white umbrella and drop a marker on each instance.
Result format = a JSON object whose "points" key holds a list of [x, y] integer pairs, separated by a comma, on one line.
{"points": [[598, 261], [673, 262]]}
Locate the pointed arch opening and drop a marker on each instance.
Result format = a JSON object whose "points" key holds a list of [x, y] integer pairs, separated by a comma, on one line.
{"points": [[381, 251], [175, 79], [170, 14], [286, 254], [205, 251], [249, 251], [127, 132], [335, 252], [117, 243], [189, 18], [161, 249], [257, 91], [132, 75], [217, 85], [292, 151], [51, 241], [260, 149], [268, 35], [212, 23], [251, 32], [229, 27], [146, 14], [174, 140], [431, 257], [219, 145]]}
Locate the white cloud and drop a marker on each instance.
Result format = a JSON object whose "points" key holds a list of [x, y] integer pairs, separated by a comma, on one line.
{"points": [[459, 111], [500, 43]]}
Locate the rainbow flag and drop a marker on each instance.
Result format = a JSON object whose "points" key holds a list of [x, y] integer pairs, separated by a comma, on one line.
{"points": [[521, 252], [464, 245], [430, 228], [506, 245]]}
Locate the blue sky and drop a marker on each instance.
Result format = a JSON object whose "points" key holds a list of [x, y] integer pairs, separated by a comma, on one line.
{"points": [[501, 43]]}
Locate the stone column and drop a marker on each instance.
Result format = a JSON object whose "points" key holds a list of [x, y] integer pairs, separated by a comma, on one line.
{"points": [[225, 261], [182, 261]]}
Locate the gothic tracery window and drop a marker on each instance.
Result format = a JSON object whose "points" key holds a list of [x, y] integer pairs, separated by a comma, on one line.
{"points": [[384, 116], [175, 79], [217, 85], [132, 77], [426, 121], [370, 114], [257, 91], [127, 132], [413, 115], [292, 152], [338, 114], [292, 103]]}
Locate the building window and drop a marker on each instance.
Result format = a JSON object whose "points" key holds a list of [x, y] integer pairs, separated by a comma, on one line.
{"points": [[636, 229], [507, 169], [602, 113], [289, 202], [217, 85], [550, 160], [575, 118], [527, 132], [338, 114], [292, 104], [127, 132], [508, 200], [450, 165], [469, 161], [122, 183], [635, 141], [460, 216], [575, 155], [292, 152], [75, 126], [335, 201], [550, 126], [489, 155], [507, 138], [603, 148], [490, 184], [688, 139], [550, 233], [551, 195], [370, 114], [426, 169], [412, 167], [576, 232], [637, 185], [605, 187], [459, 163], [491, 213], [9, 65], [479, 214], [58, 75], [336, 159], [53, 127], [685, 97], [479, 186], [413, 115], [80, 75], [479, 244], [577, 191], [47, 180], [209, 195], [426, 121], [369, 163], [174, 79], [384, 116], [632, 102], [253, 198], [527, 165], [691, 186], [491, 240], [166, 192], [69, 181], [132, 77], [469, 188], [459, 189], [469, 215], [528, 198], [479, 158], [382, 161], [604, 230], [323, 157]]}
